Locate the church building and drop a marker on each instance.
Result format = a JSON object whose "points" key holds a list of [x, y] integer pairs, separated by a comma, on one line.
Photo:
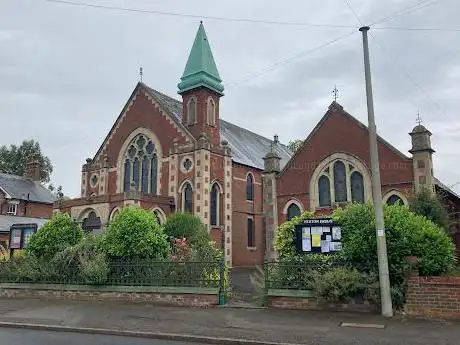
{"points": [[167, 155]]}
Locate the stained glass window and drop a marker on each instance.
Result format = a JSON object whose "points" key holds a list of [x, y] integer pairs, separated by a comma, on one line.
{"points": [[357, 187], [324, 188], [340, 182], [293, 211]]}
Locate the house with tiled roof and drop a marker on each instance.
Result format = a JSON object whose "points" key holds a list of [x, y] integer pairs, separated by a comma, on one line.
{"points": [[167, 155], [23, 200]]}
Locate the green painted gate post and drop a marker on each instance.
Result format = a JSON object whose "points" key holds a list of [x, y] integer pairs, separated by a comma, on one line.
{"points": [[221, 282]]}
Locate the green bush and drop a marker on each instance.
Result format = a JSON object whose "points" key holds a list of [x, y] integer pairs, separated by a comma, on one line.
{"points": [[135, 233], [425, 204], [407, 234], [84, 262], [186, 225], [336, 285], [285, 235], [57, 234]]}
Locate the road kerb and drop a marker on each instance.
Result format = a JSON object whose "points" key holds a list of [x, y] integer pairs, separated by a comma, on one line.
{"points": [[139, 334]]}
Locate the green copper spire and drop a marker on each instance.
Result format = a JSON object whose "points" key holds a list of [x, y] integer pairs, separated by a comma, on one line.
{"points": [[201, 69]]}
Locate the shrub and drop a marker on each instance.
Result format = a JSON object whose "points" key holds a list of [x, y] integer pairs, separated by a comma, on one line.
{"points": [[135, 233], [338, 284], [186, 225], [428, 205], [84, 262], [285, 235], [407, 234], [57, 234]]}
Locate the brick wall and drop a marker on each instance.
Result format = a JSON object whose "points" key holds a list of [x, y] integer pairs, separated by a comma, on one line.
{"points": [[30, 209], [160, 298], [338, 132], [242, 209], [433, 297], [311, 303]]}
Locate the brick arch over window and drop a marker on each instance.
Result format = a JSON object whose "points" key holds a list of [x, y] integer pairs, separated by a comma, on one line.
{"points": [[289, 208], [389, 197], [186, 191], [338, 178], [154, 175]]}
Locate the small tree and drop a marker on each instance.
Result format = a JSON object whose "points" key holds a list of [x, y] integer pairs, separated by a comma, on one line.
{"points": [[185, 225], [285, 235], [294, 145], [135, 233], [426, 204], [57, 234]]}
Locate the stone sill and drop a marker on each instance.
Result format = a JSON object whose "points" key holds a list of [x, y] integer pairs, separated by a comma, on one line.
{"points": [[291, 293], [113, 288]]}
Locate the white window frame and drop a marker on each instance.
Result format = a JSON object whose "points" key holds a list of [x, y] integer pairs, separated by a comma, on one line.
{"points": [[12, 209]]}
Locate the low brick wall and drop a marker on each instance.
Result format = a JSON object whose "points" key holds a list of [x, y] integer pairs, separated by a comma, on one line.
{"points": [[433, 297], [195, 297], [305, 300]]}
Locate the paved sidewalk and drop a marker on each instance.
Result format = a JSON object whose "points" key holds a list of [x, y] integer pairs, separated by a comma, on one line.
{"points": [[299, 327]]}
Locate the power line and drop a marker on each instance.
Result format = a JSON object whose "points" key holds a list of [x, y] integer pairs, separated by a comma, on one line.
{"points": [[402, 69], [250, 20], [289, 60], [186, 15], [415, 7]]}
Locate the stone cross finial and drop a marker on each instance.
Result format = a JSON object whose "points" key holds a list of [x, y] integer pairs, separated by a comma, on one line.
{"points": [[419, 118]]}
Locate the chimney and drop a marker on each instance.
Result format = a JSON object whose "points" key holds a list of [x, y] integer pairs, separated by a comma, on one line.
{"points": [[33, 170]]}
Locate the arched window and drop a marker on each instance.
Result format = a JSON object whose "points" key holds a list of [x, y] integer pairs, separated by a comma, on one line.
{"points": [[395, 200], [191, 111], [211, 112], [249, 187], [357, 187], [340, 182], [140, 168], [91, 222], [324, 188], [251, 233], [187, 197], [214, 207], [293, 211]]}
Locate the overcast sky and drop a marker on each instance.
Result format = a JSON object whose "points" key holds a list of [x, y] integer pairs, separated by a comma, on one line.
{"points": [[66, 71]]}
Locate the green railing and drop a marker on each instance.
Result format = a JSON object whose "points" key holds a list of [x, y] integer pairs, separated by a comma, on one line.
{"points": [[298, 275], [138, 272]]}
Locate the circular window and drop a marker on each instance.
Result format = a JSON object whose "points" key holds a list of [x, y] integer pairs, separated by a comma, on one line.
{"points": [[94, 180], [187, 164]]}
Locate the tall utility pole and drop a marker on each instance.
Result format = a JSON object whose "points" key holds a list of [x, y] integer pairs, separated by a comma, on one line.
{"points": [[384, 278]]}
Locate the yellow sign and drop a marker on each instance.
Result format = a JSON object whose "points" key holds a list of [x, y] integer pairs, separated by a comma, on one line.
{"points": [[316, 240]]}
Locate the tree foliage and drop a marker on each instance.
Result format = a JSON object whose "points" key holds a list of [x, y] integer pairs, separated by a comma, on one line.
{"points": [[407, 234], [57, 234], [181, 225], [135, 233], [13, 160], [294, 145], [426, 204], [285, 235]]}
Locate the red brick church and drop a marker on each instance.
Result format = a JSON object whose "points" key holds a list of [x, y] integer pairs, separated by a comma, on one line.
{"points": [[164, 155]]}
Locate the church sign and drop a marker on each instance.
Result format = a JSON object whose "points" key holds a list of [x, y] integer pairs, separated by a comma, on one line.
{"points": [[20, 235], [318, 236]]}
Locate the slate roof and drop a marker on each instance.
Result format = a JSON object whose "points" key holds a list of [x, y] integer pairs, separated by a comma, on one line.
{"points": [[7, 221], [248, 148], [446, 188], [23, 188]]}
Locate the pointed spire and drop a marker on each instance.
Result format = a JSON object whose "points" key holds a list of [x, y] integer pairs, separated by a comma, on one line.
{"points": [[201, 69]]}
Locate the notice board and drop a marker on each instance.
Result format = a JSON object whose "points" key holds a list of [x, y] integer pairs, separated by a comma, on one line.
{"points": [[318, 236]]}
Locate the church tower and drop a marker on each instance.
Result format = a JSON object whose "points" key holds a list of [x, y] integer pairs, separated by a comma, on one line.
{"points": [[201, 89], [422, 159]]}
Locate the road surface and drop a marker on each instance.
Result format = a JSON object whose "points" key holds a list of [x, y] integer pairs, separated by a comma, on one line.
{"points": [[10, 336]]}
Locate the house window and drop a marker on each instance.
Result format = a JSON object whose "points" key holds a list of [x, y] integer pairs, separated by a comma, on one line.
{"points": [[324, 188], [191, 111], [395, 200], [293, 211], [340, 182], [214, 207], [357, 187], [249, 187], [251, 234], [187, 196], [211, 112], [12, 209], [140, 167]]}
